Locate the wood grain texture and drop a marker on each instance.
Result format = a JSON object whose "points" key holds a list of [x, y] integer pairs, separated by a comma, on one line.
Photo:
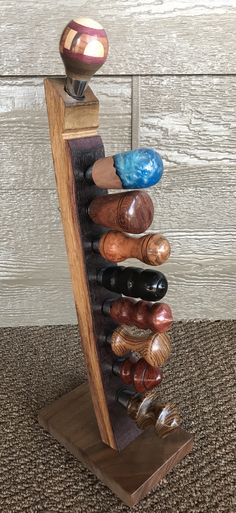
{"points": [[130, 211], [191, 121], [154, 348], [131, 473], [141, 375], [147, 410], [82, 115], [156, 317], [24, 128], [168, 36], [117, 246], [84, 152]]}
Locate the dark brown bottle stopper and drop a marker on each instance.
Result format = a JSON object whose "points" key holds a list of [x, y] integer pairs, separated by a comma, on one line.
{"points": [[140, 374], [142, 314], [152, 249], [130, 212], [154, 348]]}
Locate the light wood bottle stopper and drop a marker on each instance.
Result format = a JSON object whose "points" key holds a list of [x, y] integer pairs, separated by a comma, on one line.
{"points": [[152, 249], [84, 49], [154, 348], [135, 169], [147, 410]]}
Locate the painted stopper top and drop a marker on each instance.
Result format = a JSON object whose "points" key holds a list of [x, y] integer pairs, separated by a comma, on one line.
{"points": [[138, 168]]}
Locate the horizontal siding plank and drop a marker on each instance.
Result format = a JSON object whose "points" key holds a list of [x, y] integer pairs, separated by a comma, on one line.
{"points": [[24, 137], [190, 121], [194, 209], [203, 289], [167, 37], [34, 276]]}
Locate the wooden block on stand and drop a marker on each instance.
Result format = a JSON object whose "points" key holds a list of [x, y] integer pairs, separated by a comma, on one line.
{"points": [[131, 473]]}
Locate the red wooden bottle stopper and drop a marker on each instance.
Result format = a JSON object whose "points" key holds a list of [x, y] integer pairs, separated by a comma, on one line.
{"points": [[153, 316], [152, 249], [127, 211], [140, 374]]}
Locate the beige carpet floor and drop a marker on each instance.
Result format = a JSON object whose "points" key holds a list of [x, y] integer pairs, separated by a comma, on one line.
{"points": [[38, 475]]}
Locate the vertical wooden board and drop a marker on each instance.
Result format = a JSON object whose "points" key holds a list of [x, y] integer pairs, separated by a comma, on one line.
{"points": [[66, 114], [168, 36], [71, 158], [26, 161]]}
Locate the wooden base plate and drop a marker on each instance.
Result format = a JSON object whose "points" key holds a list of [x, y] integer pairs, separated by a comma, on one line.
{"points": [[131, 473]]}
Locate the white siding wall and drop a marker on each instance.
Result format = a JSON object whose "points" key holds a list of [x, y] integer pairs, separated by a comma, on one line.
{"points": [[168, 83]]}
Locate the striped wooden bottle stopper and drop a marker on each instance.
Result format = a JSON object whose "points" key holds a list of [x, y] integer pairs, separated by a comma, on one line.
{"points": [[154, 348], [84, 49], [148, 410]]}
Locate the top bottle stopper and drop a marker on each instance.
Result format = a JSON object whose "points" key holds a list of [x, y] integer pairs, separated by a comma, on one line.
{"points": [[84, 49]]}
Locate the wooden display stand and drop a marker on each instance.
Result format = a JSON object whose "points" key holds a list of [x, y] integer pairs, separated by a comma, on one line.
{"points": [[131, 473], [88, 421]]}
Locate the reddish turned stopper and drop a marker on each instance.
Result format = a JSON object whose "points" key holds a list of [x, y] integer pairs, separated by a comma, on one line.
{"points": [[126, 211], [153, 249], [140, 374], [153, 316]]}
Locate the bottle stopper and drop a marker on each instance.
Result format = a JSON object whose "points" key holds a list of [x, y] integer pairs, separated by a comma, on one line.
{"points": [[84, 49]]}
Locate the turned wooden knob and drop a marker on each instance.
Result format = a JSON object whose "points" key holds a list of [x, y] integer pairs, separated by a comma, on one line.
{"points": [[84, 49], [147, 316], [140, 374], [129, 212], [134, 282], [134, 169], [147, 410], [152, 249], [154, 348]]}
